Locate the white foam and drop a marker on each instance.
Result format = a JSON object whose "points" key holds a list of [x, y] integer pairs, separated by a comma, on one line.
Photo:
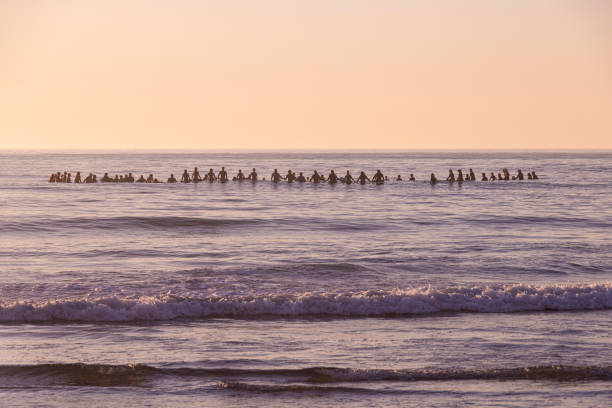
{"points": [[476, 299]]}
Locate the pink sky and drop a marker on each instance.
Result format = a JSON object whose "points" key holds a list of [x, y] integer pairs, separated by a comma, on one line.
{"points": [[306, 74]]}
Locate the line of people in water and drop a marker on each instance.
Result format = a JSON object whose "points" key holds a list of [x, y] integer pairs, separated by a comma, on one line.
{"points": [[503, 176], [332, 178]]}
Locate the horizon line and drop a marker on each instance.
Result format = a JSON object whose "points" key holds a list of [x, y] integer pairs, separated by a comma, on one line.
{"points": [[313, 149]]}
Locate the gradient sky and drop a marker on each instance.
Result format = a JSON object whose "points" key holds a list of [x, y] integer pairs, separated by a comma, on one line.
{"points": [[287, 74]]}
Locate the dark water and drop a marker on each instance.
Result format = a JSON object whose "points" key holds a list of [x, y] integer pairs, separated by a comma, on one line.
{"points": [[261, 294]]}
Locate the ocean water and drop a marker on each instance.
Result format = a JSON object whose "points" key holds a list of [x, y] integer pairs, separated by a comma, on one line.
{"points": [[260, 294]]}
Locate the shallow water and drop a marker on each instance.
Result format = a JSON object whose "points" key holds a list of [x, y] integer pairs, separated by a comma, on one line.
{"points": [[484, 293]]}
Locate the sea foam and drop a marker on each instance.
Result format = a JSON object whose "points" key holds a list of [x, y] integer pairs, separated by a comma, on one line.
{"points": [[413, 301]]}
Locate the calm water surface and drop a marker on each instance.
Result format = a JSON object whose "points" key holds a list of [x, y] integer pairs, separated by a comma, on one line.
{"points": [[262, 294]]}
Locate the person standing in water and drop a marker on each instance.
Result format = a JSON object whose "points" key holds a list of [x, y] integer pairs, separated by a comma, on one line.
{"points": [[301, 178], [460, 176], [520, 175], [290, 177], [77, 178], [253, 175], [378, 177], [506, 174], [195, 176], [222, 177], [472, 175], [411, 177], [240, 176], [451, 176], [433, 180], [332, 178], [362, 178], [348, 179], [171, 179], [210, 176], [315, 178], [185, 178], [275, 177], [484, 177]]}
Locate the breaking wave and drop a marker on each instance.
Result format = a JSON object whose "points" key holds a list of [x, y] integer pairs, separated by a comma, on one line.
{"points": [[414, 301], [79, 374]]}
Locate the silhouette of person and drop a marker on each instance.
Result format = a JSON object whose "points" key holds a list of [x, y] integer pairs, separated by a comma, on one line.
{"points": [[348, 179], [185, 178], [332, 178], [362, 178], [275, 177], [451, 176], [378, 178], [222, 177]]}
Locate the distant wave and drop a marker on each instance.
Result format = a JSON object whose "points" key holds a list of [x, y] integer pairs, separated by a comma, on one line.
{"points": [[476, 299], [125, 222], [80, 374], [178, 222]]}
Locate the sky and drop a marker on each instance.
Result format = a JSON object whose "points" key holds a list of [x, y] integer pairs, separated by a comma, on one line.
{"points": [[316, 74]]}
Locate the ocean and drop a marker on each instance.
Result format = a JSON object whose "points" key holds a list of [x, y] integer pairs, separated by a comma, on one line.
{"points": [[493, 293]]}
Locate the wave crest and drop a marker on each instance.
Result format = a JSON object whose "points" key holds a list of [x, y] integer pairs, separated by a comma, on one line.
{"points": [[476, 299], [80, 374]]}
